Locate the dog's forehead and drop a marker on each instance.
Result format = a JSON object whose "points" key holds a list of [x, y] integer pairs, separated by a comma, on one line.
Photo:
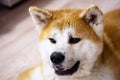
{"points": [[63, 36], [67, 23], [64, 33]]}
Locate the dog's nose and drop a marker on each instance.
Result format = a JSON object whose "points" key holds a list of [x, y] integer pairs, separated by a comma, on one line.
{"points": [[57, 57]]}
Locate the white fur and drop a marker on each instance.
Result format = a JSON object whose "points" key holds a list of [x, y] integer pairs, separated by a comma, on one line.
{"points": [[85, 51]]}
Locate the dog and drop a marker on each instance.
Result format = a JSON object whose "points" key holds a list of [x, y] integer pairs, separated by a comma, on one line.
{"points": [[76, 45]]}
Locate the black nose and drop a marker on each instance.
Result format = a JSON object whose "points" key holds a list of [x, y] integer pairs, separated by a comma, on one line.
{"points": [[57, 57]]}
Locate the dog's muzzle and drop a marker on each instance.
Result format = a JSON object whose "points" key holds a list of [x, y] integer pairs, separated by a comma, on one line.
{"points": [[57, 58], [60, 70]]}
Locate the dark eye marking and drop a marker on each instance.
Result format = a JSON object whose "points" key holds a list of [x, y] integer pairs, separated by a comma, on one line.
{"points": [[74, 40], [52, 40]]}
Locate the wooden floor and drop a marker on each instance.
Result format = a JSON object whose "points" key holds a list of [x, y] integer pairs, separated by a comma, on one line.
{"points": [[18, 36]]}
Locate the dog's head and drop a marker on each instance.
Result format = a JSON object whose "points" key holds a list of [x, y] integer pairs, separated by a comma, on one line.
{"points": [[70, 39]]}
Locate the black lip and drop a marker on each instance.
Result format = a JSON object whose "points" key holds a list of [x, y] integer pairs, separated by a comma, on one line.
{"points": [[69, 71]]}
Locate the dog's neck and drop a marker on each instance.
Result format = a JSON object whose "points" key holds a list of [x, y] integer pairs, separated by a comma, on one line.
{"points": [[109, 60]]}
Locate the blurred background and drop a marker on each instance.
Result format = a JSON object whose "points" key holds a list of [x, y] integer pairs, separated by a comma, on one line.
{"points": [[18, 36]]}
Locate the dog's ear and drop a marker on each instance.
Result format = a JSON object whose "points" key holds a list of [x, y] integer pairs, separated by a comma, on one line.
{"points": [[39, 16], [94, 18]]}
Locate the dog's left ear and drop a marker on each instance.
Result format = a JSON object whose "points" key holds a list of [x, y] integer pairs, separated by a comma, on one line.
{"points": [[39, 16], [94, 18]]}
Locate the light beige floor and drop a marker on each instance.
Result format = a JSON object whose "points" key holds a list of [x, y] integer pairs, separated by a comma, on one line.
{"points": [[18, 37]]}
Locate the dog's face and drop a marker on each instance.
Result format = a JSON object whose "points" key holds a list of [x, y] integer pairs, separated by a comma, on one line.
{"points": [[70, 39]]}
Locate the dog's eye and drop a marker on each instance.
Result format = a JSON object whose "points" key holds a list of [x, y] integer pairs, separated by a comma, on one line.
{"points": [[52, 40], [74, 40]]}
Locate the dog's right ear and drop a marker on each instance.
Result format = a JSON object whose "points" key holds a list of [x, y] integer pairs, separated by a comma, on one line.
{"points": [[39, 16], [93, 16]]}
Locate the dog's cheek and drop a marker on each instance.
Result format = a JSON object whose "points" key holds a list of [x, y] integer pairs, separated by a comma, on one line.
{"points": [[87, 52], [79, 50], [91, 52], [45, 49]]}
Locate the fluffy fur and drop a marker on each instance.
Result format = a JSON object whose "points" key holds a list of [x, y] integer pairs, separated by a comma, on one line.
{"points": [[97, 51]]}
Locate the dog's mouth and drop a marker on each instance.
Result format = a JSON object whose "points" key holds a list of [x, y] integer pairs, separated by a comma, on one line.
{"points": [[59, 70]]}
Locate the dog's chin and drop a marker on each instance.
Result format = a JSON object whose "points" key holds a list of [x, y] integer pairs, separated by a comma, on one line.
{"points": [[59, 70]]}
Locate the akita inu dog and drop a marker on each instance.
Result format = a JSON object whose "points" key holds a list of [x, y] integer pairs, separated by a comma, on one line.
{"points": [[75, 46]]}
